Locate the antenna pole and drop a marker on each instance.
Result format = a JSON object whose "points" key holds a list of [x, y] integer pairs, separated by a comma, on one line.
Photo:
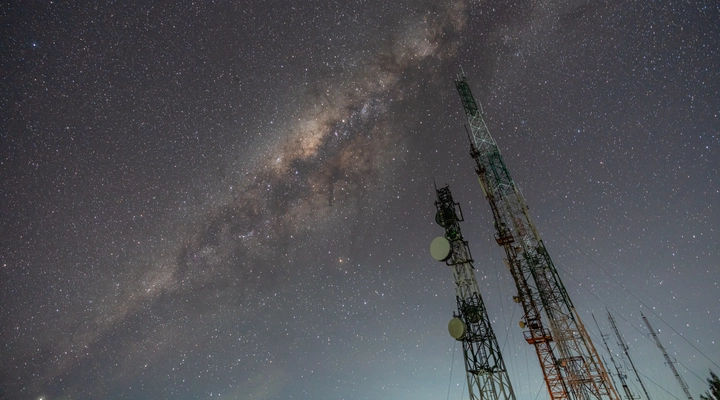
{"points": [[669, 361], [620, 374], [624, 347]]}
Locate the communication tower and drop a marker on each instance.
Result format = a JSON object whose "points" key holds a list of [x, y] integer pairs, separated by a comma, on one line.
{"points": [[571, 366], [624, 347], [487, 377], [620, 374], [669, 361]]}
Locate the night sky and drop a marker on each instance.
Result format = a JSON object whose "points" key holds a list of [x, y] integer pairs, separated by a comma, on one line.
{"points": [[236, 200]]}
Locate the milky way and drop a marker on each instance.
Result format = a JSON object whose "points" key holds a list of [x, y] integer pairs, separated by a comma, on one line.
{"points": [[328, 155]]}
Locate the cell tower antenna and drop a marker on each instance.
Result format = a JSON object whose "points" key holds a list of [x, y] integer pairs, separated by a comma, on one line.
{"points": [[570, 364], [620, 374], [624, 347], [487, 377], [668, 360]]}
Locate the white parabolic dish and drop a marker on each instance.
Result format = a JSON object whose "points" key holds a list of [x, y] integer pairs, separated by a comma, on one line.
{"points": [[440, 248], [456, 328]]}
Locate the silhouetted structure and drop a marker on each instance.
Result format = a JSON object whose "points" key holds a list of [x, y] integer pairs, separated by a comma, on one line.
{"points": [[668, 360], [571, 366], [487, 377]]}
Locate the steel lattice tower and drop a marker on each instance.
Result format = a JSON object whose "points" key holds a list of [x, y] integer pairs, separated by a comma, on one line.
{"points": [[487, 377], [570, 363], [621, 376], [669, 361], [624, 347]]}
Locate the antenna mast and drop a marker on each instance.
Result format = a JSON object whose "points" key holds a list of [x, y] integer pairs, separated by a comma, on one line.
{"points": [[621, 343], [669, 361], [620, 375], [570, 363], [487, 377]]}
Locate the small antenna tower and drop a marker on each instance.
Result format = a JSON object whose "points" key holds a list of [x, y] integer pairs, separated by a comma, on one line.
{"points": [[620, 374], [624, 347], [487, 377], [669, 361]]}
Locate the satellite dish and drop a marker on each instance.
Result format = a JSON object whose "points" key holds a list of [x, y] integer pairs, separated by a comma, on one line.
{"points": [[439, 218], [440, 249], [457, 328]]}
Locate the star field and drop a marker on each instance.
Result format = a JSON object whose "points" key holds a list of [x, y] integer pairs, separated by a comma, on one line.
{"points": [[235, 199]]}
